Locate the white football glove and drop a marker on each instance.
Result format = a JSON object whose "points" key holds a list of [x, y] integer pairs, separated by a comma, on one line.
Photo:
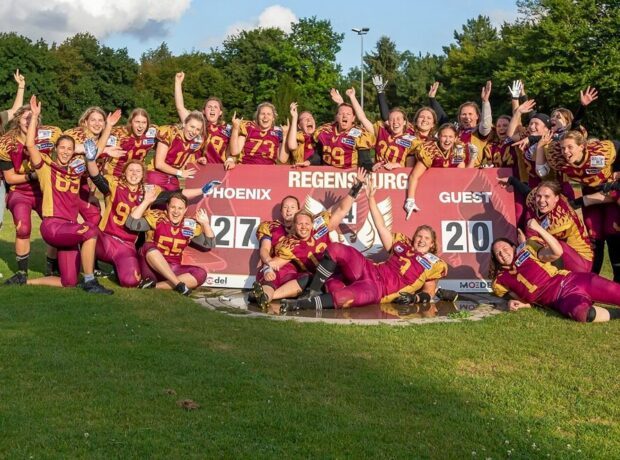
{"points": [[410, 207], [515, 89], [90, 149], [377, 80], [473, 151]]}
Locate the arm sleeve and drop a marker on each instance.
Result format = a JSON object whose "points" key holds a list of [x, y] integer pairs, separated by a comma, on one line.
{"points": [[315, 159], [101, 183], [519, 186], [203, 241], [534, 139], [579, 115], [384, 108], [364, 159], [487, 119], [616, 165], [6, 165], [137, 225], [164, 196], [442, 117]]}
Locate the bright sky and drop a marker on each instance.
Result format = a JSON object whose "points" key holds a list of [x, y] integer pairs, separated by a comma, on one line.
{"points": [[187, 25]]}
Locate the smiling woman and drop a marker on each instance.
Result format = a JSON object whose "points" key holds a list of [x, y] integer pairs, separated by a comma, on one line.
{"points": [[59, 178], [410, 273]]}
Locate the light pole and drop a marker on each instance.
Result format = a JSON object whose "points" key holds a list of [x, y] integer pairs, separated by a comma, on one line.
{"points": [[361, 32]]}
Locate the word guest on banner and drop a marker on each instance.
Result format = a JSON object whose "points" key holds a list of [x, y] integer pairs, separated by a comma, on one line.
{"points": [[466, 207]]}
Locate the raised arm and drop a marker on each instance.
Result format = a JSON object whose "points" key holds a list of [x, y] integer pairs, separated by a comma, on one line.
{"points": [[553, 250], [178, 96], [384, 233], [291, 137], [486, 123], [359, 112], [515, 93], [542, 168], [515, 120], [342, 208], [384, 108], [586, 98], [135, 221], [19, 95], [35, 155], [410, 205], [206, 239], [442, 116], [283, 152], [237, 141], [335, 96]]}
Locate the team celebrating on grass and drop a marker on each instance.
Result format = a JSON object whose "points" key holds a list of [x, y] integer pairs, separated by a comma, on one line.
{"points": [[143, 228]]}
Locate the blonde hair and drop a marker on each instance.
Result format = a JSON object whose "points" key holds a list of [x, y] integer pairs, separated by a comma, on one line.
{"points": [[88, 112], [577, 136], [266, 104]]}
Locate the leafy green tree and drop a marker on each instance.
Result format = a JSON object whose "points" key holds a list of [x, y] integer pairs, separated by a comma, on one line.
{"points": [[559, 48]]}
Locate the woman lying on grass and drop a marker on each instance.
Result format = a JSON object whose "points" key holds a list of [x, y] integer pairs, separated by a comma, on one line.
{"points": [[525, 274]]}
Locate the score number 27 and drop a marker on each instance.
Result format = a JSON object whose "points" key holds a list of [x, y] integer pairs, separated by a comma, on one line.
{"points": [[235, 232]]}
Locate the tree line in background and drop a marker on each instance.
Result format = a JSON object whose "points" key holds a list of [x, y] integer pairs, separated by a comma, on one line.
{"points": [[557, 48]]}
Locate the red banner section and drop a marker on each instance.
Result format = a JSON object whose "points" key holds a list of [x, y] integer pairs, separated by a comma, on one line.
{"points": [[466, 207]]}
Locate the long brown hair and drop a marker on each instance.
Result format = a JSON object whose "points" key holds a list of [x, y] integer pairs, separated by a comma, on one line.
{"points": [[494, 265], [136, 113]]}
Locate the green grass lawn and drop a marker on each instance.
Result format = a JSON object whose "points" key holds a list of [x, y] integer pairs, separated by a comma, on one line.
{"points": [[96, 376]]}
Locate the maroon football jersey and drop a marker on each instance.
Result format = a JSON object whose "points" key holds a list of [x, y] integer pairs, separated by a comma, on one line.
{"points": [[136, 147], [170, 239], [394, 149], [340, 148], [61, 187], [216, 142], [306, 254], [406, 270], [261, 147], [180, 151], [529, 278]]}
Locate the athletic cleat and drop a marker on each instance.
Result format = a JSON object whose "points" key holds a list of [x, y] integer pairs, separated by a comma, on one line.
{"points": [[93, 287], [259, 296], [17, 279], [101, 274], [405, 298], [146, 283], [287, 305], [182, 289], [447, 295]]}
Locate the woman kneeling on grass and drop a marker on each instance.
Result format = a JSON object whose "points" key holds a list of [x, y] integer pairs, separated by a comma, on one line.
{"points": [[59, 176], [525, 274], [169, 233]]}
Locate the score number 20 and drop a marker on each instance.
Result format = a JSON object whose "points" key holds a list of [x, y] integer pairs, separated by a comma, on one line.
{"points": [[466, 235]]}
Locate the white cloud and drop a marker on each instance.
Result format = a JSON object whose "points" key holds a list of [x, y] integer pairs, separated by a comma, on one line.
{"points": [[498, 17], [274, 16], [55, 20]]}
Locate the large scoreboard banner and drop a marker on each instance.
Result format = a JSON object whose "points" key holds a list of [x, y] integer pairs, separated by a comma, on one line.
{"points": [[466, 207]]}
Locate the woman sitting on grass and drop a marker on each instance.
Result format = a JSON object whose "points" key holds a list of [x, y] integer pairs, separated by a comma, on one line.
{"points": [[169, 233]]}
